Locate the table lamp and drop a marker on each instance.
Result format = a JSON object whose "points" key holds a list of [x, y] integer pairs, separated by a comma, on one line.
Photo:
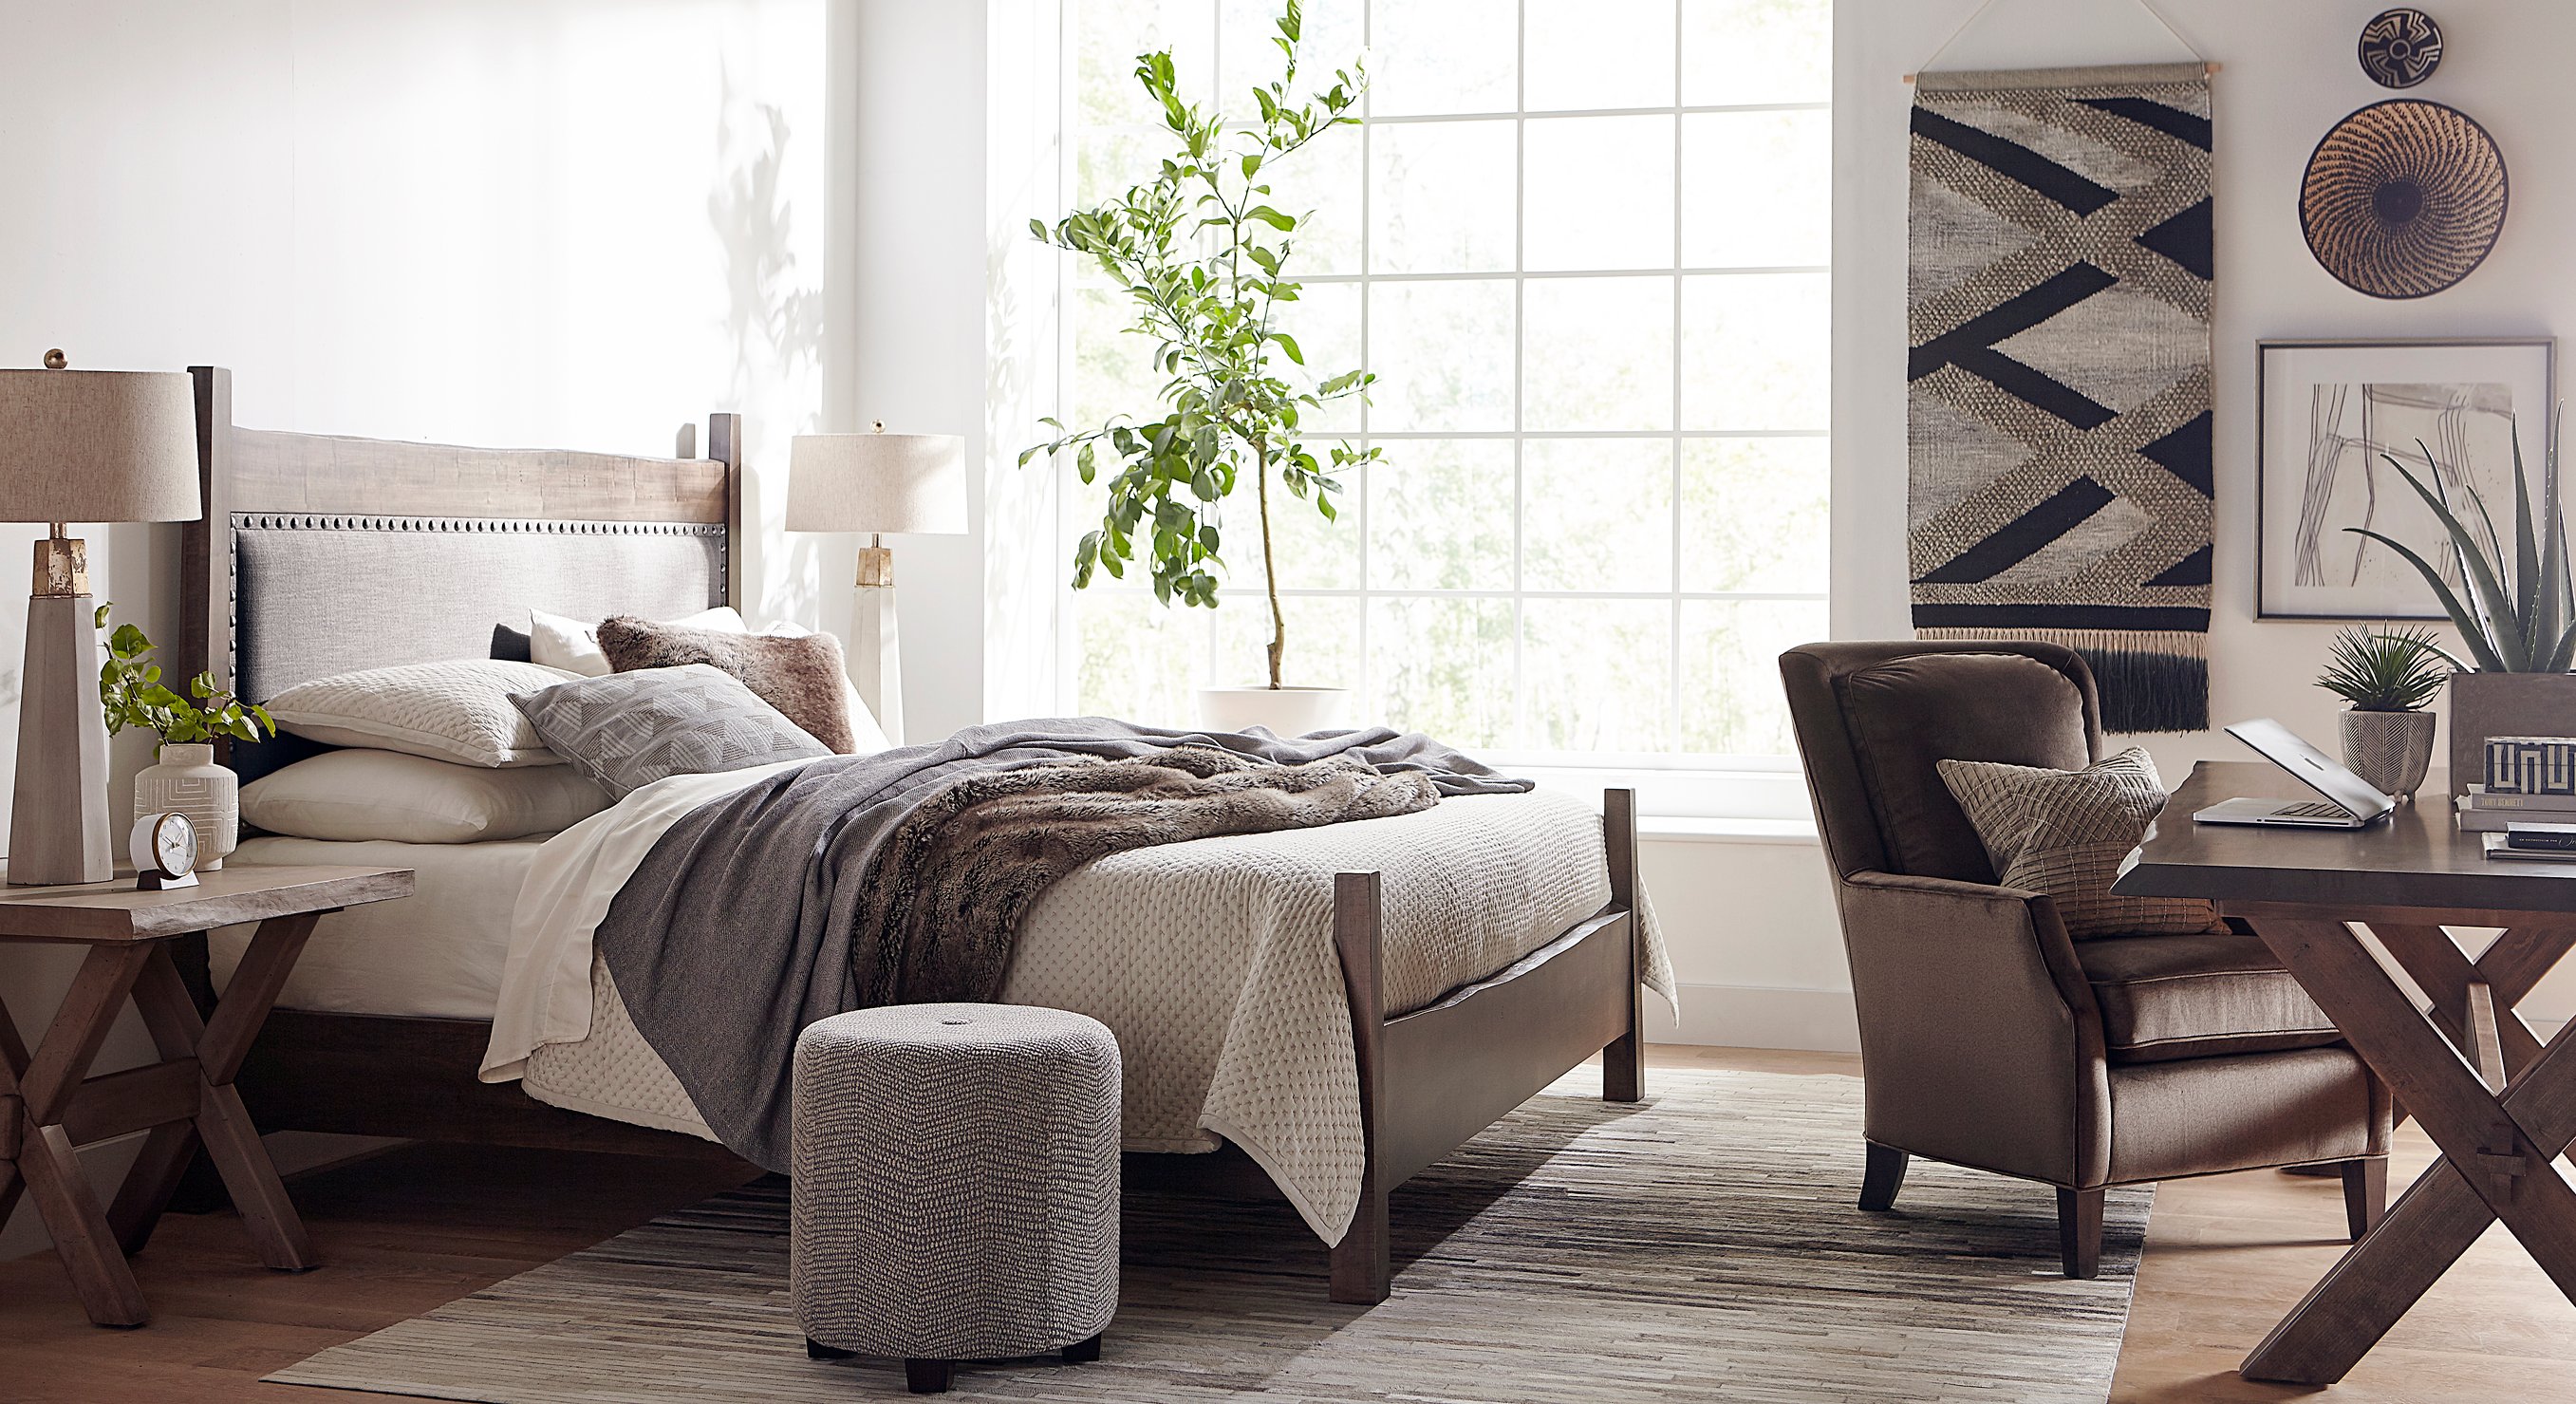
{"points": [[79, 446], [877, 483]]}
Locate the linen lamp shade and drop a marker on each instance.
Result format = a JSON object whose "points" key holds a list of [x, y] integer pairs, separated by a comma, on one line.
{"points": [[878, 483], [97, 446]]}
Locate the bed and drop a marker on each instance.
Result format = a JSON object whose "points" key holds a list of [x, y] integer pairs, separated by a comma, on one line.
{"points": [[1469, 959]]}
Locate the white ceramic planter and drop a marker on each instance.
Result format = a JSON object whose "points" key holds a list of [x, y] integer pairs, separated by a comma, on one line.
{"points": [[2389, 749], [1283, 711], [188, 780]]}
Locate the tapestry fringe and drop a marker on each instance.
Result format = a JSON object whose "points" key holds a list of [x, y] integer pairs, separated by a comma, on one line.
{"points": [[2149, 682]]}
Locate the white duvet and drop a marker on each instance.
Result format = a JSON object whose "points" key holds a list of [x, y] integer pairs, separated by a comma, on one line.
{"points": [[1212, 961]]}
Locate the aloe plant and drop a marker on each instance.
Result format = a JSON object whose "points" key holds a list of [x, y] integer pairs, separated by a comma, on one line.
{"points": [[2521, 620]]}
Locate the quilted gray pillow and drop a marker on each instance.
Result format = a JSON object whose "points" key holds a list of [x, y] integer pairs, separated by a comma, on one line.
{"points": [[627, 730]]}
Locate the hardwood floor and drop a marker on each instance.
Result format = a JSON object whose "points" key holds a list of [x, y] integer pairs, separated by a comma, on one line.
{"points": [[417, 1227]]}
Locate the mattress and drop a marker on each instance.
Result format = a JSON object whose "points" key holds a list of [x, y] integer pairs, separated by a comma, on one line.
{"points": [[438, 955], [1212, 962]]}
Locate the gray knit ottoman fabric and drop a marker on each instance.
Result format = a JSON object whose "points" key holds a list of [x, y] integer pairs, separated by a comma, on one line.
{"points": [[955, 1181]]}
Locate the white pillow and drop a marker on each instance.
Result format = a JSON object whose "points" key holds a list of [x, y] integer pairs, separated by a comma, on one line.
{"points": [[561, 641], [356, 796], [458, 710]]}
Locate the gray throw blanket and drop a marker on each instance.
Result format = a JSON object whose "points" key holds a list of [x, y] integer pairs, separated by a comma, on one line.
{"points": [[902, 876]]}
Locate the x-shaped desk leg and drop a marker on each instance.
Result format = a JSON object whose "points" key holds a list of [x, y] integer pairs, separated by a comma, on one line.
{"points": [[2496, 1148]]}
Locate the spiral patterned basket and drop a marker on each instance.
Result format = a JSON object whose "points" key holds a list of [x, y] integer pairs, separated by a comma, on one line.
{"points": [[2400, 48], [2403, 198]]}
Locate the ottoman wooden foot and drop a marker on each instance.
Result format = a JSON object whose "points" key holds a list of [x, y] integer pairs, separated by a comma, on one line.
{"points": [[1082, 1352], [816, 1350], [928, 1376]]}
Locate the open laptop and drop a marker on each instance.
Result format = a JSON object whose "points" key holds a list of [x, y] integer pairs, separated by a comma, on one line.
{"points": [[2350, 802]]}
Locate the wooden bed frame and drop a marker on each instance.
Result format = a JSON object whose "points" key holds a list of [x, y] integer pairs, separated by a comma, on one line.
{"points": [[1428, 1080]]}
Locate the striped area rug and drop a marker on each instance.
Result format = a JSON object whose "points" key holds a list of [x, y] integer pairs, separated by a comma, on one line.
{"points": [[1699, 1246]]}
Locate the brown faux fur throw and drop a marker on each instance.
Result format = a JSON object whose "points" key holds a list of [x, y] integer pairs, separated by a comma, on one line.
{"points": [[800, 675], [938, 914]]}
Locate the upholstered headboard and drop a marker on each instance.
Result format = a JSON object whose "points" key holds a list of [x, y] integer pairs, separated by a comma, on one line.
{"points": [[320, 554]]}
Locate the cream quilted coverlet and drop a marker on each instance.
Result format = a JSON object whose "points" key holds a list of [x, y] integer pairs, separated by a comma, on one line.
{"points": [[1213, 963]]}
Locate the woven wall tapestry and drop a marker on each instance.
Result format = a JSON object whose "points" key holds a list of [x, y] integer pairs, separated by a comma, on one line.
{"points": [[2058, 418]]}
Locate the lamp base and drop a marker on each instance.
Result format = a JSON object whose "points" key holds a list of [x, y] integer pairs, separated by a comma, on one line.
{"points": [[58, 830], [876, 657]]}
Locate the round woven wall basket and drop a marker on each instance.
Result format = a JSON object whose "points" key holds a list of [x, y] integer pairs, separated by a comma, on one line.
{"points": [[2403, 198]]}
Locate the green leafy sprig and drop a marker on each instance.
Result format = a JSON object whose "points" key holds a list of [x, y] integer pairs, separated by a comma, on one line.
{"points": [[132, 693]]}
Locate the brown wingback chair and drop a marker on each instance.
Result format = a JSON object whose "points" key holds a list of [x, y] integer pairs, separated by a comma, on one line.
{"points": [[1988, 1037]]}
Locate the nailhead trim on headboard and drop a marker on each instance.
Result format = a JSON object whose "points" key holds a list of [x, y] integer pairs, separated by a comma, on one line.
{"points": [[313, 521]]}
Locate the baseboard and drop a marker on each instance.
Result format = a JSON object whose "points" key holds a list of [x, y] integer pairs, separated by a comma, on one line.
{"points": [[1750, 1016]]}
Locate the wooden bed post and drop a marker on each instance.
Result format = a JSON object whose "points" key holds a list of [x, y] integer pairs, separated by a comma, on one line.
{"points": [[1623, 1063], [724, 445], [1361, 1271]]}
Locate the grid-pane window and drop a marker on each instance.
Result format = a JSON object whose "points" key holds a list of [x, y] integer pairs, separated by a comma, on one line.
{"points": [[1584, 246]]}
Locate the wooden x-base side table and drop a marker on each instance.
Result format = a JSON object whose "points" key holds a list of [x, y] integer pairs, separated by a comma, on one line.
{"points": [[2499, 1104], [49, 1105]]}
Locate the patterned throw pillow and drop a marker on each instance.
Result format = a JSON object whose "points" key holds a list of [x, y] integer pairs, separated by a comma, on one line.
{"points": [[627, 730], [2065, 832]]}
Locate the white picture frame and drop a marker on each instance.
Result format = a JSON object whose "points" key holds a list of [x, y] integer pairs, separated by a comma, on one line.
{"points": [[2329, 412]]}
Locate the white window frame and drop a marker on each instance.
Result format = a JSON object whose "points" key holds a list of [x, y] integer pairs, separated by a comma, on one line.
{"points": [[1761, 791]]}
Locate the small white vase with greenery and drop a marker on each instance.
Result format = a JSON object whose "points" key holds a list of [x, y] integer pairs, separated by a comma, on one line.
{"points": [[2518, 620], [185, 776], [1202, 251], [2389, 678]]}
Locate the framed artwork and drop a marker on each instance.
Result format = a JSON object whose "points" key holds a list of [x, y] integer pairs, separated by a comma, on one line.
{"points": [[2334, 412]]}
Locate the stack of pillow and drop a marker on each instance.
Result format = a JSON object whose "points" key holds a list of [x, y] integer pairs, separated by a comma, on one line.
{"points": [[478, 749]]}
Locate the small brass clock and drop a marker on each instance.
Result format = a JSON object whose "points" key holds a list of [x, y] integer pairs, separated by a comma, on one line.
{"points": [[164, 848]]}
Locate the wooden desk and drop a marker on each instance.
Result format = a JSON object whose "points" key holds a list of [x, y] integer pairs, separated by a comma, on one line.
{"points": [[2500, 1105], [49, 1105]]}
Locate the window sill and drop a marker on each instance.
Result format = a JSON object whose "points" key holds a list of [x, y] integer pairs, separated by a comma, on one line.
{"points": [[1790, 832]]}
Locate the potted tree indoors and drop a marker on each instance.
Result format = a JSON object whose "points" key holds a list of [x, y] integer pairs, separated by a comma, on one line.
{"points": [[2388, 678], [2518, 622], [184, 776], [1202, 250]]}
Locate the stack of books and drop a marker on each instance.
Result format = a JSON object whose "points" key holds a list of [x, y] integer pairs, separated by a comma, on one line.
{"points": [[2527, 804], [2484, 811]]}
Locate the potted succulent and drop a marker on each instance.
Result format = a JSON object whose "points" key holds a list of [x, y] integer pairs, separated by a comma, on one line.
{"points": [[1202, 250], [2388, 678], [2518, 622], [185, 777]]}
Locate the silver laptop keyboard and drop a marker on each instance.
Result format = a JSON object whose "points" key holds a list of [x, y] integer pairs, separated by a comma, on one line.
{"points": [[2312, 811]]}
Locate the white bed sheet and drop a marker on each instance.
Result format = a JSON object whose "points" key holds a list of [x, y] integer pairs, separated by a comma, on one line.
{"points": [[437, 955]]}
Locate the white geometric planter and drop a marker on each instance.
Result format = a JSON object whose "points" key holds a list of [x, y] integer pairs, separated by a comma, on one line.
{"points": [[188, 780]]}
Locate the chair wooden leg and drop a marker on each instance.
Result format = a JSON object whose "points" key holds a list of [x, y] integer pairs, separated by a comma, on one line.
{"points": [[2079, 1232], [816, 1350], [1882, 1175], [2365, 1194], [1082, 1352], [928, 1376]]}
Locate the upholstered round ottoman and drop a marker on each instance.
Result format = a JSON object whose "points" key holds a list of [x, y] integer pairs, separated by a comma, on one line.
{"points": [[955, 1185]]}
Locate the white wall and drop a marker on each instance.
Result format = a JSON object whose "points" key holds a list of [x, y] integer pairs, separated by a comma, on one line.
{"points": [[543, 222], [2287, 74]]}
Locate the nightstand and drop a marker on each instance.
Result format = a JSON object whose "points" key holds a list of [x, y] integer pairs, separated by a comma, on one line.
{"points": [[49, 1105]]}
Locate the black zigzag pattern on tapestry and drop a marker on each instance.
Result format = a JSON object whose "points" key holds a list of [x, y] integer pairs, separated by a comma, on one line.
{"points": [[2058, 425]]}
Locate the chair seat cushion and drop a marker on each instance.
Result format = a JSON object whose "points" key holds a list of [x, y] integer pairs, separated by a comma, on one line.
{"points": [[2169, 997]]}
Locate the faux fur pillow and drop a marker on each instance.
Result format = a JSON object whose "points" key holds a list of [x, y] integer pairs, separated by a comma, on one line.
{"points": [[2065, 832], [800, 675]]}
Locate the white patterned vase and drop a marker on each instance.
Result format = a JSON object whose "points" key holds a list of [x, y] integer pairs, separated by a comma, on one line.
{"points": [[188, 780], [2388, 749]]}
